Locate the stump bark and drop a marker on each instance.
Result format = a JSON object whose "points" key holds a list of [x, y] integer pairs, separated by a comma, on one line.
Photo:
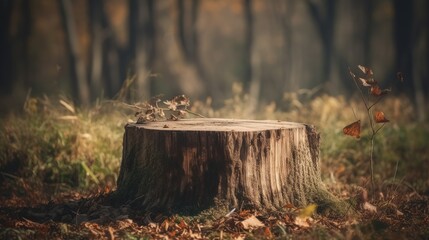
{"points": [[198, 162]]}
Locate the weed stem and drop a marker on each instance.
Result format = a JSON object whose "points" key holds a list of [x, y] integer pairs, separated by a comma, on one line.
{"points": [[371, 163]]}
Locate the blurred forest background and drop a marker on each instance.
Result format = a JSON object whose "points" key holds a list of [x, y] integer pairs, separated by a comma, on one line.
{"points": [[87, 50]]}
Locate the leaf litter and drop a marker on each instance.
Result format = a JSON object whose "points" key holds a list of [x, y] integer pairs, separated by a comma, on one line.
{"points": [[94, 216]]}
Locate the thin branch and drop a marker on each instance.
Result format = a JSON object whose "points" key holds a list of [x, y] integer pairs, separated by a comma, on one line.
{"points": [[376, 101], [357, 86], [379, 128], [371, 164], [194, 113]]}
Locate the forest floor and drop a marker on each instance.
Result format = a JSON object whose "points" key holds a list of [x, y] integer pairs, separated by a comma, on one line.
{"points": [[58, 167]]}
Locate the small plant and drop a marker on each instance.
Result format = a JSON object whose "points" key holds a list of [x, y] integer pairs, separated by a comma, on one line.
{"points": [[371, 94]]}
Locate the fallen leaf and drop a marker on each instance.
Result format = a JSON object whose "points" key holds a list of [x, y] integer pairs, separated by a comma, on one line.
{"points": [[369, 207], [267, 232], [353, 129], [308, 211], [165, 224], [182, 224], [303, 221], [251, 222], [380, 118], [110, 233]]}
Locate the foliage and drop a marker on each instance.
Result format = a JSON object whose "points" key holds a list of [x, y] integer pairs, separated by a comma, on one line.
{"points": [[45, 150], [57, 144], [374, 94]]}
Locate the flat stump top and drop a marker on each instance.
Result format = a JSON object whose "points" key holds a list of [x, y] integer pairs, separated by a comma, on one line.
{"points": [[218, 125]]}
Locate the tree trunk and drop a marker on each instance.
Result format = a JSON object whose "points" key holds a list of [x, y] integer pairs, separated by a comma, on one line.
{"points": [[200, 162], [5, 47], [139, 41], [171, 57], [76, 62], [97, 39]]}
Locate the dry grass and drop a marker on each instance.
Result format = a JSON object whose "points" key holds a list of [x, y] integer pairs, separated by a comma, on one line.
{"points": [[53, 152]]}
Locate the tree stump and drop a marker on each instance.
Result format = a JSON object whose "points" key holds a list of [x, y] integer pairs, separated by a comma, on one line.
{"points": [[197, 162]]}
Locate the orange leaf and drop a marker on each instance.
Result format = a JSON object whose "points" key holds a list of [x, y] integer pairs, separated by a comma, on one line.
{"points": [[376, 91], [353, 129], [380, 118], [267, 232]]}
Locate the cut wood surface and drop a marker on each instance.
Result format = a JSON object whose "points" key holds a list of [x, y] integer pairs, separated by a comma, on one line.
{"points": [[199, 162]]}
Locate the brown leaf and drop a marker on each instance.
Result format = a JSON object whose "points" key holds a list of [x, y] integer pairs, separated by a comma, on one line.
{"points": [[376, 91], [303, 221], [366, 70], [368, 82], [251, 222], [110, 233], [379, 117], [267, 233], [353, 129], [369, 207]]}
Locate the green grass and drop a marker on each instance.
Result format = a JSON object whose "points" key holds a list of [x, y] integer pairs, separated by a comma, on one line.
{"points": [[82, 148], [54, 147]]}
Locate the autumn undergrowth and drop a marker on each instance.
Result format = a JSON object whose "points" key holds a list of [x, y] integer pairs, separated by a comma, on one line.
{"points": [[53, 147], [54, 143]]}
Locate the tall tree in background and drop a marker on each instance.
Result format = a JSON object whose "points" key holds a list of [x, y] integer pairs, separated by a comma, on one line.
{"points": [[77, 66], [188, 12], [97, 37], [408, 48], [323, 16], [170, 54], [283, 11], [368, 22], [187, 20], [252, 70], [419, 45], [23, 44], [5, 47], [248, 43], [403, 31], [139, 12]]}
